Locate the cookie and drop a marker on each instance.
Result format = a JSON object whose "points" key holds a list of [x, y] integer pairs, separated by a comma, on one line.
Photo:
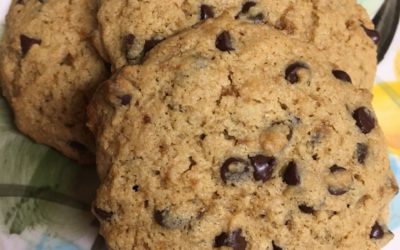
{"points": [[232, 135], [342, 29], [49, 69]]}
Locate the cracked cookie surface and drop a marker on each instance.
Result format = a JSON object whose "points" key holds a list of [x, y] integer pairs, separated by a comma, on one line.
{"points": [[49, 69], [129, 29], [232, 135]]}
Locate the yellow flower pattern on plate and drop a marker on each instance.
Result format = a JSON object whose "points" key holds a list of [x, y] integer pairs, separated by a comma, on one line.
{"points": [[387, 106]]}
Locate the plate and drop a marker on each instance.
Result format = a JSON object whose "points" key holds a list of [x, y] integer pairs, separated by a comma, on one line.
{"points": [[45, 198]]}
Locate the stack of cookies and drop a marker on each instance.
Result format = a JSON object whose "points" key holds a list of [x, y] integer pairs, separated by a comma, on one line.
{"points": [[215, 124]]}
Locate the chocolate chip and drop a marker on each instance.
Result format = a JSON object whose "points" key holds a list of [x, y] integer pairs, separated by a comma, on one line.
{"points": [[291, 175], [335, 168], [291, 72], [224, 42], [20, 1], [27, 43], [233, 169], [263, 167], [275, 247], [221, 240], [146, 119], [373, 34], [235, 240], [78, 146], [68, 60], [203, 136], [129, 39], [341, 75], [174, 220], [364, 119], [129, 42], [150, 44], [125, 99], [362, 152], [376, 231], [206, 12], [337, 191], [306, 209], [192, 162], [228, 137], [257, 18], [238, 242], [136, 188], [158, 216], [102, 214], [247, 5]]}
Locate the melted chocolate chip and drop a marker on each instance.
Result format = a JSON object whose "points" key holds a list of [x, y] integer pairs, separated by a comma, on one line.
{"points": [[78, 146], [341, 75], [125, 99], [20, 1], [337, 191], [362, 152], [102, 214], [235, 240], [364, 119], [27, 43], [206, 12], [247, 5], [233, 174], [335, 168], [291, 175], [275, 247], [263, 167], [291, 72], [376, 231], [224, 42], [373, 34], [306, 209]]}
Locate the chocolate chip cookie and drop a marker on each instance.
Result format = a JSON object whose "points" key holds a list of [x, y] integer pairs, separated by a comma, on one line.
{"points": [[129, 29], [232, 135], [48, 70]]}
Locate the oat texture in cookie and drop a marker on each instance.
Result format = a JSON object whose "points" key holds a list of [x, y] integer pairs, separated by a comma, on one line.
{"points": [[130, 29], [49, 69], [233, 135]]}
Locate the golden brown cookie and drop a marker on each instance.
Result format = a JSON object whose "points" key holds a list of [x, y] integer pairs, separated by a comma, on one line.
{"points": [[232, 135], [129, 29], [49, 69]]}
